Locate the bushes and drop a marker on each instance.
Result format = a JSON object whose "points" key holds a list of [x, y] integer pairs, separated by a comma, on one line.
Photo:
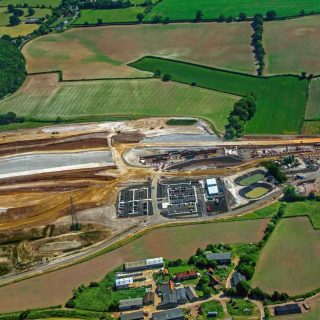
{"points": [[275, 171], [12, 68], [243, 111], [10, 117]]}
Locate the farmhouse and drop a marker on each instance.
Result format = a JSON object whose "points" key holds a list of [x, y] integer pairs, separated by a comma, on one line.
{"points": [[222, 258], [148, 298], [236, 278], [129, 304], [171, 296], [123, 283], [188, 275], [138, 315], [175, 314], [31, 21], [144, 264], [292, 308], [191, 293]]}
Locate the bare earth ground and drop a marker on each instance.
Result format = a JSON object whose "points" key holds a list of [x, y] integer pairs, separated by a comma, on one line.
{"points": [[292, 46], [56, 287], [103, 51], [290, 262]]}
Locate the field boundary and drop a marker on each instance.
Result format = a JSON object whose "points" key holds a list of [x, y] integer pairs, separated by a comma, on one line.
{"points": [[213, 20], [215, 68]]}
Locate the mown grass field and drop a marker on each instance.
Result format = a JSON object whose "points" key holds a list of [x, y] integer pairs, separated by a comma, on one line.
{"points": [[307, 208], [252, 179], [44, 98], [257, 193], [290, 261], [109, 16], [280, 100], [292, 45], [186, 9], [32, 3], [19, 30], [313, 103], [100, 52], [266, 212]]}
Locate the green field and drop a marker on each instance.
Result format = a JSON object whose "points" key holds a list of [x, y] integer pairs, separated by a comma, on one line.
{"points": [[212, 9], [5, 15], [109, 16], [290, 260], [252, 179], [280, 100], [313, 104], [137, 98], [257, 193], [263, 213], [31, 3], [308, 208]]}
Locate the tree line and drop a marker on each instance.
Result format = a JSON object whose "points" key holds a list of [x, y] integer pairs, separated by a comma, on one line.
{"points": [[12, 68], [243, 111], [256, 42]]}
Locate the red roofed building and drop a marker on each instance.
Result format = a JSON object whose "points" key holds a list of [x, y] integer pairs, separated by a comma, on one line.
{"points": [[181, 276]]}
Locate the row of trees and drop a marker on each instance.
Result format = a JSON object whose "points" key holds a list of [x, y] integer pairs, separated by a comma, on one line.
{"points": [[10, 117], [12, 68], [243, 111], [256, 42], [106, 4]]}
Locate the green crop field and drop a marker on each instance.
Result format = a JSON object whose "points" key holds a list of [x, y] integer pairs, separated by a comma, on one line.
{"points": [[308, 208], [280, 100], [292, 46], [313, 104], [32, 3], [109, 16], [252, 179], [135, 98], [212, 9], [290, 260]]}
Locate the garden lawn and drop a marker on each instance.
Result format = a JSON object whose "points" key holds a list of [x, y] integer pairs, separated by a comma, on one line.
{"points": [[109, 16], [43, 98], [280, 100], [313, 104], [239, 307], [212, 9], [211, 306], [175, 270], [103, 296], [307, 208], [290, 260]]}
